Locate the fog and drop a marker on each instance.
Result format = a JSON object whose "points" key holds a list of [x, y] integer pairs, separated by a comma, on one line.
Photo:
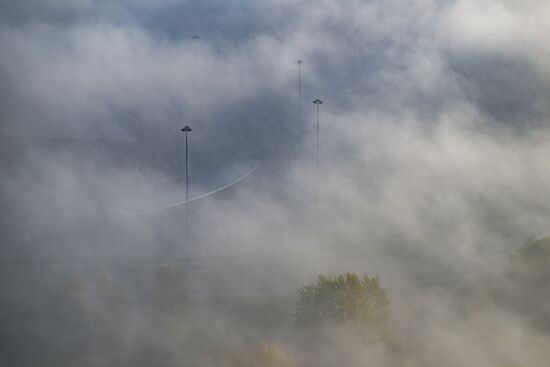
{"points": [[432, 176]]}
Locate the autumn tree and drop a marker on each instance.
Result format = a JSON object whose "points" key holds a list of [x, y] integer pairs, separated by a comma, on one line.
{"points": [[343, 299], [264, 354]]}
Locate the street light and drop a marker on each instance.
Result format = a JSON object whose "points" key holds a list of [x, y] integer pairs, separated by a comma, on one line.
{"points": [[300, 62], [186, 130], [317, 102]]}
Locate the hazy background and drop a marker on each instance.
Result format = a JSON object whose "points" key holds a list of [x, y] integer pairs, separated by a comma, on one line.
{"points": [[434, 141]]}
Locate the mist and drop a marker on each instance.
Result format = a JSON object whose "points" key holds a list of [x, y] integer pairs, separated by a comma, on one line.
{"points": [[432, 176]]}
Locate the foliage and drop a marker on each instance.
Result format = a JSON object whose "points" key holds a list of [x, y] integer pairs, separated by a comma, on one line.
{"points": [[523, 284], [536, 250], [343, 299], [530, 264], [264, 354]]}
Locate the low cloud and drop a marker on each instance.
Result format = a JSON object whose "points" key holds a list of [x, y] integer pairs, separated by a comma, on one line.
{"points": [[433, 149]]}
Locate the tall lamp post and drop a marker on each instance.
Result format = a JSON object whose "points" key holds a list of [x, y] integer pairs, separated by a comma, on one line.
{"points": [[186, 130], [300, 62], [317, 102]]}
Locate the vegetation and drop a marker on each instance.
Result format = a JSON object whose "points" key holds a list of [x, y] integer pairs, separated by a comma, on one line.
{"points": [[536, 250], [264, 354], [525, 288], [343, 299], [530, 265]]}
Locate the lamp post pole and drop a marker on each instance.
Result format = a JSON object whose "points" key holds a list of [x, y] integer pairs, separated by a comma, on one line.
{"points": [[317, 102], [186, 130], [300, 62]]}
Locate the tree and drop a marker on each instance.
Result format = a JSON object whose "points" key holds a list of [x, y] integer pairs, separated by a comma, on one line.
{"points": [[536, 251], [524, 283], [530, 264], [342, 299], [264, 354]]}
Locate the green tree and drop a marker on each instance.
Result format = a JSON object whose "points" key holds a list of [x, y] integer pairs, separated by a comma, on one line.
{"points": [[530, 264], [343, 299], [536, 251]]}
